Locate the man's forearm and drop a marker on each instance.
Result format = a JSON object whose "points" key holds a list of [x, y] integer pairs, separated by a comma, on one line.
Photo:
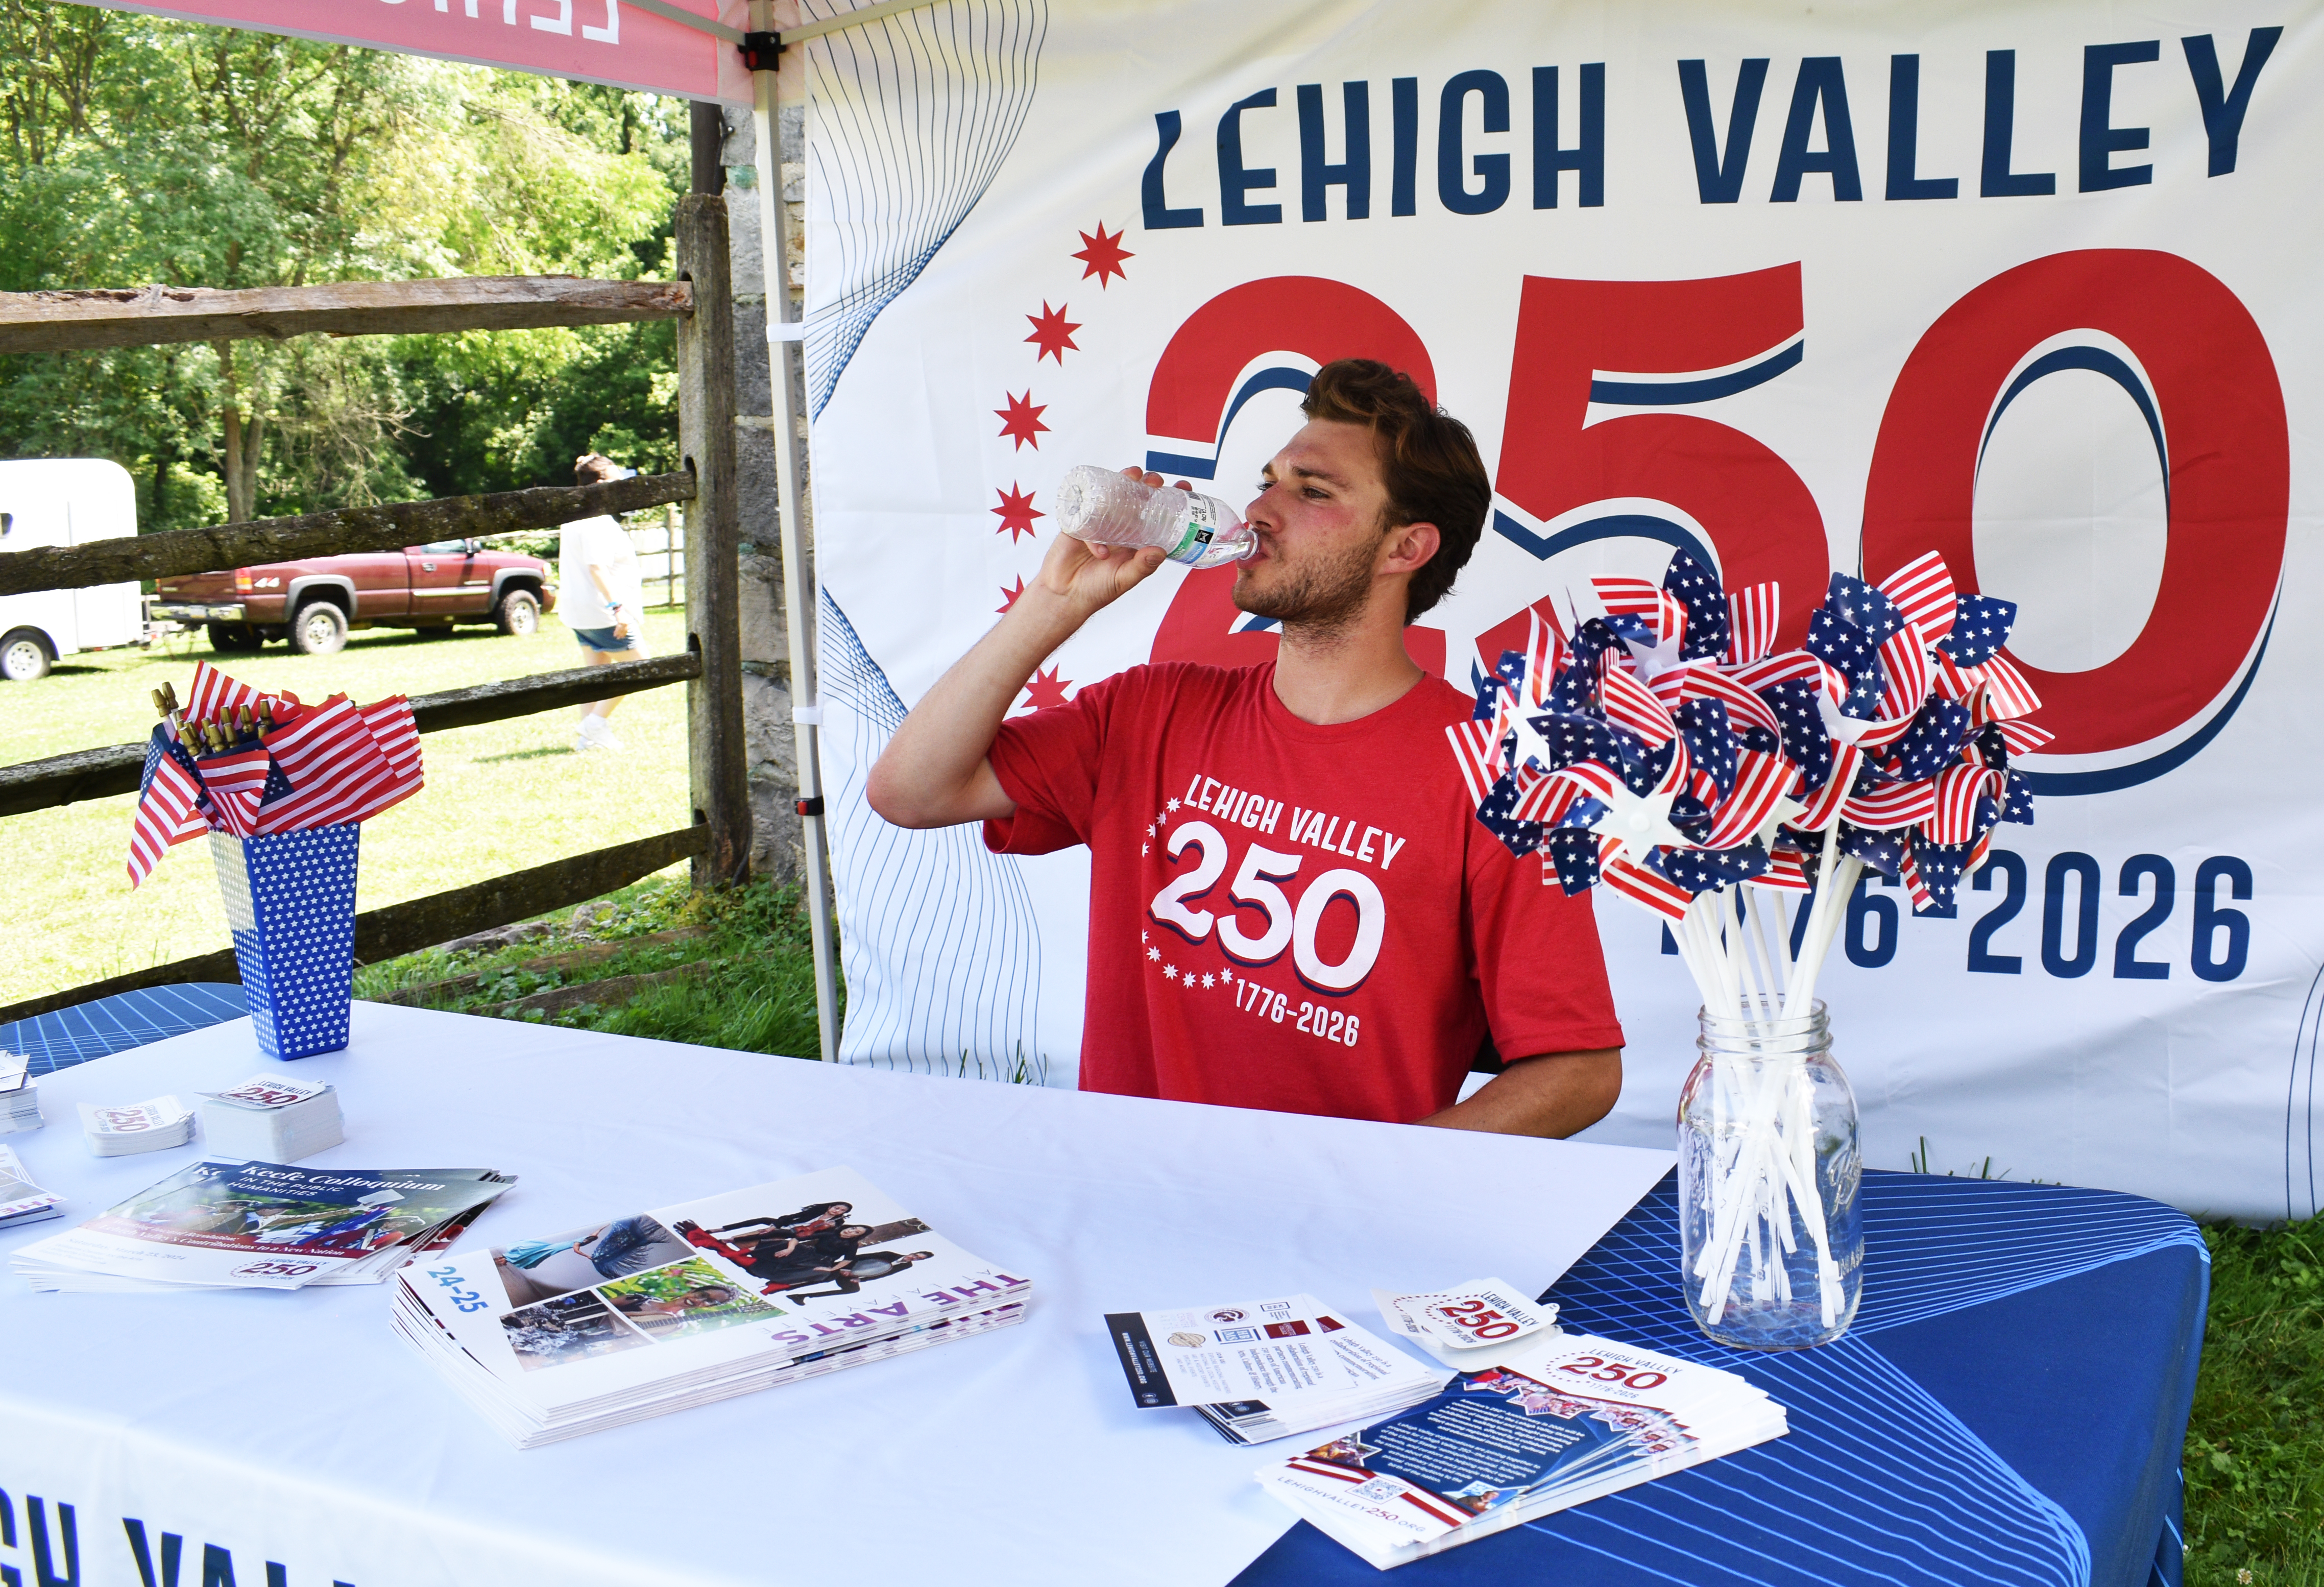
{"points": [[934, 771], [1555, 1095]]}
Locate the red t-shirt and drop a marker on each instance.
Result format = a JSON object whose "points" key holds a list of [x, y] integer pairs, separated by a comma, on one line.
{"points": [[1283, 915]]}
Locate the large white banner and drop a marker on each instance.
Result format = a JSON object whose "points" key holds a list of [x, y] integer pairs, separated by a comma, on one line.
{"points": [[2033, 285]]}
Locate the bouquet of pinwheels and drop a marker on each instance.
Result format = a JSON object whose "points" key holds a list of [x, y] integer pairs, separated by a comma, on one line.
{"points": [[1668, 750], [280, 788]]}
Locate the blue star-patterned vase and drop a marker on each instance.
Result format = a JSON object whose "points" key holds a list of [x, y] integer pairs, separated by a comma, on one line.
{"points": [[290, 904]]}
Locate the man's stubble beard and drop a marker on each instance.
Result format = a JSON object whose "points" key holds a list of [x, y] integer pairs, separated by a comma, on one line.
{"points": [[1322, 601]]}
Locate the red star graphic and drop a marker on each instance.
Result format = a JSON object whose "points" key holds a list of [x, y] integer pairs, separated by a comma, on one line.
{"points": [[1009, 596], [1103, 256], [1054, 332], [1022, 420], [1017, 511], [1046, 689]]}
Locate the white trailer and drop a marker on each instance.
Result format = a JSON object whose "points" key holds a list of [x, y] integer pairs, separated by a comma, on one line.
{"points": [[64, 502]]}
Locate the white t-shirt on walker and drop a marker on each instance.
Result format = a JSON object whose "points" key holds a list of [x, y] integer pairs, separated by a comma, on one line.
{"points": [[600, 540]]}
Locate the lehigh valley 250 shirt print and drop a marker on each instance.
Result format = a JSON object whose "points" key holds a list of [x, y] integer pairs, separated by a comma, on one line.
{"points": [[1286, 916]]}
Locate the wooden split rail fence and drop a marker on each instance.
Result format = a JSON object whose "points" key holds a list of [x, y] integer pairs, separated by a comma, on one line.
{"points": [[718, 839]]}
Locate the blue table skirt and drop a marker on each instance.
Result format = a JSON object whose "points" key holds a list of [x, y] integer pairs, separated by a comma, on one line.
{"points": [[2009, 1408]]}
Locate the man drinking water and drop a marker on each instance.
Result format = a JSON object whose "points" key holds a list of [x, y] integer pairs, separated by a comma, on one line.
{"points": [[1292, 904]]}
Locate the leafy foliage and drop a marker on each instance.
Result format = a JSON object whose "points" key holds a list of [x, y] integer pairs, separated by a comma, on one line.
{"points": [[142, 150], [2255, 1457]]}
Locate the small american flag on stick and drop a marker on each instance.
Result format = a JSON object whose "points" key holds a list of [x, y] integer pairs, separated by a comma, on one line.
{"points": [[328, 765], [165, 808], [236, 782]]}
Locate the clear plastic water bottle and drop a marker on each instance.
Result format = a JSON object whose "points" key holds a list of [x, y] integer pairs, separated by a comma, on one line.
{"points": [[1110, 509]]}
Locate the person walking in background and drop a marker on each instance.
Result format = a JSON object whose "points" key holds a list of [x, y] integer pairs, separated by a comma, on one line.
{"points": [[600, 595]]}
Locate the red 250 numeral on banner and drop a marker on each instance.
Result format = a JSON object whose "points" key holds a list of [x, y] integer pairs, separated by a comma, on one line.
{"points": [[2202, 377]]}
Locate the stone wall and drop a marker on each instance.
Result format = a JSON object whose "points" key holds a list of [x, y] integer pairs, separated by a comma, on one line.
{"points": [[776, 851]]}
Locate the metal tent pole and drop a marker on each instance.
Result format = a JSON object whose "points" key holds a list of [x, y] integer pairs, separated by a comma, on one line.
{"points": [[783, 363]]}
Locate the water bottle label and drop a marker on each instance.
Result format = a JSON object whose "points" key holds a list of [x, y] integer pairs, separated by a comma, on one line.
{"points": [[1202, 525]]}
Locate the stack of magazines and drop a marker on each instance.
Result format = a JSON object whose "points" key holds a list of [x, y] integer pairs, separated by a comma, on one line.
{"points": [[1570, 1418], [1257, 1370], [263, 1226], [683, 1305]]}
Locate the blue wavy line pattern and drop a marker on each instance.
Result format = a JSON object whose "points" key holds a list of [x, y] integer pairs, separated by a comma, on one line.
{"points": [[937, 934], [1865, 1445], [915, 115], [2300, 1195], [110, 1025], [1944, 1246], [1798, 1506]]}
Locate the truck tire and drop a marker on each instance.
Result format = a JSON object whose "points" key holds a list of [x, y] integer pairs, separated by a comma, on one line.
{"points": [[23, 656], [321, 628], [518, 613], [233, 639]]}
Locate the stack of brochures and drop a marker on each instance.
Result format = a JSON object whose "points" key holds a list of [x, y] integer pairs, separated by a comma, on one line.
{"points": [[21, 1200], [272, 1118], [683, 1305], [1257, 1370], [1565, 1418], [125, 1130], [20, 1099], [263, 1226]]}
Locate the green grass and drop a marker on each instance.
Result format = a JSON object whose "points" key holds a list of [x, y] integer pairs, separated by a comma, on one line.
{"points": [[2255, 1457], [500, 797], [758, 994]]}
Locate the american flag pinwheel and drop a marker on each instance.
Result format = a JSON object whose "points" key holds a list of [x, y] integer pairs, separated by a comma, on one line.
{"points": [[1668, 750]]}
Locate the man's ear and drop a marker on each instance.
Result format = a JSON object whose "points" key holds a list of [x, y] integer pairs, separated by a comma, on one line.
{"points": [[1408, 548]]}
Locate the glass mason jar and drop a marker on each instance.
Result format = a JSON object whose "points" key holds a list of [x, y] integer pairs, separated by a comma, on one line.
{"points": [[1767, 1179]]}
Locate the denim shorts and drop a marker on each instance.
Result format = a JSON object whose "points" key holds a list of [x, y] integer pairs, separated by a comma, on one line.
{"points": [[602, 639]]}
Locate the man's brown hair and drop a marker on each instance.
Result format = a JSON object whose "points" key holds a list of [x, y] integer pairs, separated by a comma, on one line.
{"points": [[1428, 461]]}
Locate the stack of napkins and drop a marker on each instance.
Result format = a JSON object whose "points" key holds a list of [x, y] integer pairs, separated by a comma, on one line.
{"points": [[682, 1306], [1565, 1418], [1258, 1369], [21, 1200], [155, 1125], [263, 1226], [272, 1117], [20, 1099]]}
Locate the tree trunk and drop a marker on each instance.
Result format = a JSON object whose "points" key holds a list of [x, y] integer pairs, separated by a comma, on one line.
{"points": [[254, 442], [238, 506], [237, 495]]}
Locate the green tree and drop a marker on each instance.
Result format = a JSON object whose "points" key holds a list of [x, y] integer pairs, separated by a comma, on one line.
{"points": [[146, 150]]}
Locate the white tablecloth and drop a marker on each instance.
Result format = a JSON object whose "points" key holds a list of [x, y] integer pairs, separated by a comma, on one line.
{"points": [[295, 1429]]}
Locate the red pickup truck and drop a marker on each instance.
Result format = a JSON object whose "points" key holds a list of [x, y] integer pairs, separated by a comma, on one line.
{"points": [[313, 603]]}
